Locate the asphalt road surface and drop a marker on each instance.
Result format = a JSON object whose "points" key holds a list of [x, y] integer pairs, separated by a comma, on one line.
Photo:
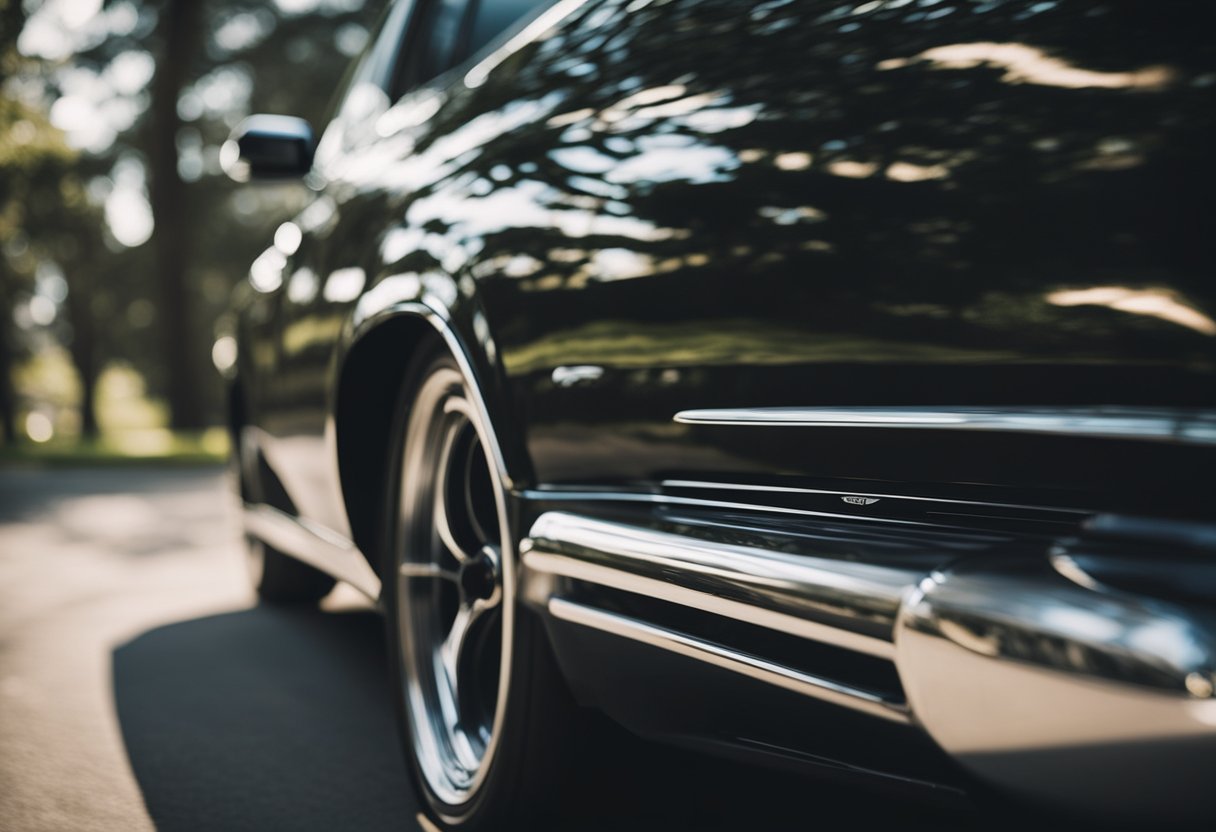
{"points": [[142, 688]]}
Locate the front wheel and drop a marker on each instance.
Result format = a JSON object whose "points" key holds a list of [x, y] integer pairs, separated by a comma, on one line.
{"points": [[483, 711]]}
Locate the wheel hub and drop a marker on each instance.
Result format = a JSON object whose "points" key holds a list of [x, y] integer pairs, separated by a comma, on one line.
{"points": [[478, 578]]}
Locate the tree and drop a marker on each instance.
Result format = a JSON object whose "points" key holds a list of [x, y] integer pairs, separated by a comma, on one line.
{"points": [[12, 17], [208, 64], [180, 36], [45, 218]]}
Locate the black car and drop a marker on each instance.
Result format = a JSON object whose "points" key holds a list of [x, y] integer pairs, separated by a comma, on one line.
{"points": [[824, 384]]}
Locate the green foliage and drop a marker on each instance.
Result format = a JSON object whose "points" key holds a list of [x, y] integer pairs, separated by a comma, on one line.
{"points": [[209, 447], [146, 92], [44, 215]]}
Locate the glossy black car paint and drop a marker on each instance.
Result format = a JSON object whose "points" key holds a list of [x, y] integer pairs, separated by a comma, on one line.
{"points": [[630, 209]]}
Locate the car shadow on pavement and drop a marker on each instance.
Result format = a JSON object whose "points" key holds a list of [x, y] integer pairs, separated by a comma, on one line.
{"points": [[272, 718], [263, 719]]}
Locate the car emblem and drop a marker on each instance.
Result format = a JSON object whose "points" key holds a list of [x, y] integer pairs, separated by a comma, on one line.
{"points": [[860, 501]]}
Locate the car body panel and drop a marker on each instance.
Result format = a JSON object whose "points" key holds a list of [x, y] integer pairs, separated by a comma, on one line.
{"points": [[920, 231]]}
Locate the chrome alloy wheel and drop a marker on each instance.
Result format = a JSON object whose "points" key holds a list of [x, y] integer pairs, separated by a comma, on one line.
{"points": [[455, 586]]}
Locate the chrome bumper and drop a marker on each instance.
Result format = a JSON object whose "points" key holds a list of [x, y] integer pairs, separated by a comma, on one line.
{"points": [[1030, 671], [1063, 690]]}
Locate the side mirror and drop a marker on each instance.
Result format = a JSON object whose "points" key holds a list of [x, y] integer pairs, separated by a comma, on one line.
{"points": [[268, 147]]}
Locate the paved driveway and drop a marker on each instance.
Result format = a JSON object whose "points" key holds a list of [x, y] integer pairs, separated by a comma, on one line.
{"points": [[140, 686]]}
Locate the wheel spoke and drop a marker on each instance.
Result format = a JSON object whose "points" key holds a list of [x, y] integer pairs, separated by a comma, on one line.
{"points": [[440, 515], [427, 570], [477, 489], [466, 756], [443, 529], [453, 645]]}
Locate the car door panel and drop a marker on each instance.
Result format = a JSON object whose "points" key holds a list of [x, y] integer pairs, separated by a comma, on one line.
{"points": [[849, 220]]}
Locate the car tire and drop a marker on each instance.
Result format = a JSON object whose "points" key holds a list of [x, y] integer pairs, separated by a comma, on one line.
{"points": [[484, 714]]}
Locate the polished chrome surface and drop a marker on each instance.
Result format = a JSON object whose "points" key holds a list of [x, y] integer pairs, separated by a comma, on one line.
{"points": [[313, 544], [1185, 426], [710, 485], [675, 500], [1058, 687], [453, 590], [727, 659], [794, 594]]}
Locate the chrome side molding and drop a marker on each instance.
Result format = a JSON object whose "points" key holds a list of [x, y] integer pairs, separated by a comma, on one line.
{"points": [[728, 659], [842, 603], [312, 544], [1194, 427], [1060, 688]]}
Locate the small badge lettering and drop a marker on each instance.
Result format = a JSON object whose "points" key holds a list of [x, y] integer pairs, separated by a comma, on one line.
{"points": [[860, 501]]}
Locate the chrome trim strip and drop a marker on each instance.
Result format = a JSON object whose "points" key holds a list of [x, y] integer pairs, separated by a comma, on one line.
{"points": [[541, 495], [775, 590], [313, 544], [1194, 427], [722, 657], [880, 495], [580, 570]]}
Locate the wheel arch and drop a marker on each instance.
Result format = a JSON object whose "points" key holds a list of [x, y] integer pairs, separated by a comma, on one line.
{"points": [[372, 370]]}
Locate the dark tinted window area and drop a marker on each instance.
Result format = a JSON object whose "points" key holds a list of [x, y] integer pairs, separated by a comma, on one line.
{"points": [[438, 36], [492, 17], [449, 31]]}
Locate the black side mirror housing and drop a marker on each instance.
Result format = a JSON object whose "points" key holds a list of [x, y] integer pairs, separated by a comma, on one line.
{"points": [[268, 147]]}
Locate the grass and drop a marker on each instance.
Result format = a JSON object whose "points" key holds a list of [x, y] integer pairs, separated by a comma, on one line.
{"points": [[133, 424], [152, 446]]}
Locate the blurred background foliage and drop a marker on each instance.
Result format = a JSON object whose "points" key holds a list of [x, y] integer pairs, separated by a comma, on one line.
{"points": [[120, 237]]}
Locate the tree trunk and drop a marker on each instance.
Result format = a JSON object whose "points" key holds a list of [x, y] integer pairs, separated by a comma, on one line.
{"points": [[180, 30], [8, 396], [88, 407], [84, 350]]}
